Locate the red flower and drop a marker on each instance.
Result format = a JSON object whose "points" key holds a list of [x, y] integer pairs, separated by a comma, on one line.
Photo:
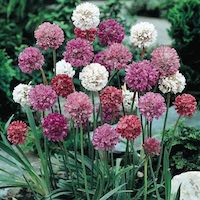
{"points": [[151, 146], [86, 34]]}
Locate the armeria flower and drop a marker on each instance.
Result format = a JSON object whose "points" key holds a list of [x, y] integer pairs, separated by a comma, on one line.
{"points": [[55, 127], [63, 85], [89, 35], [86, 16], [129, 127], [63, 67], [110, 31], [20, 94], [42, 97], [79, 107], [141, 76], [143, 34], [100, 58], [151, 146], [152, 105], [30, 59], [16, 132], [49, 36], [166, 60], [94, 77], [185, 105], [105, 137], [174, 83], [79, 52]]}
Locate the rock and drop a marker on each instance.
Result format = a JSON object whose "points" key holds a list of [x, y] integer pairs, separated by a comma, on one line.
{"points": [[189, 183]]}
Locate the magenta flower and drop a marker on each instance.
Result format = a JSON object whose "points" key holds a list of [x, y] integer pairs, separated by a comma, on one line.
{"points": [[110, 31], [166, 60], [100, 58], [49, 36], [152, 105], [105, 137], [79, 52], [42, 97], [89, 35], [151, 147], [141, 76], [30, 59], [55, 127]]}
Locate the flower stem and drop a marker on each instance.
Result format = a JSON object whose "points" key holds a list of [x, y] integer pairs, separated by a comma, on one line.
{"points": [[44, 78], [54, 61], [145, 178]]}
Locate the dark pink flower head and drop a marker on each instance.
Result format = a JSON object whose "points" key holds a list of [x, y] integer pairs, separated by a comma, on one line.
{"points": [[30, 59], [110, 31], [166, 60], [42, 97], [100, 58], [63, 85], [152, 105], [79, 107], [105, 137], [49, 36], [129, 127], [16, 132], [185, 105], [89, 34], [79, 52], [141, 76], [55, 127], [151, 146]]}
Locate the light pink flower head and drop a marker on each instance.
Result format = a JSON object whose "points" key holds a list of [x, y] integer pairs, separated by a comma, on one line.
{"points": [[151, 146], [166, 60], [30, 59], [152, 105], [49, 36]]}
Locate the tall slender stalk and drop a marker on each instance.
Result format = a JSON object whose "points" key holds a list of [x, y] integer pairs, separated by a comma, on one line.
{"points": [[44, 78], [54, 61], [145, 178]]}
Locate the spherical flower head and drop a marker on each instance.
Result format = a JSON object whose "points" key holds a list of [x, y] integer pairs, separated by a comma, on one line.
{"points": [[63, 85], [166, 60], [20, 94], [55, 127], [30, 59], [152, 105], [100, 58], [49, 36], [42, 97], [63, 67], [129, 127], [141, 76], [79, 52], [185, 105], [110, 31], [143, 34], [173, 83], [86, 16], [89, 35], [105, 137], [79, 107], [94, 77], [16, 132], [151, 146]]}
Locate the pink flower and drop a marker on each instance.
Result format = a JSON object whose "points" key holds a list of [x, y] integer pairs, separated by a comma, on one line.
{"points": [[17, 132], [110, 31], [100, 58], [185, 105], [152, 105], [89, 35], [151, 146], [63, 85], [129, 127], [30, 59], [79, 107], [105, 137], [79, 52], [55, 127], [42, 97], [166, 60], [141, 76], [49, 36]]}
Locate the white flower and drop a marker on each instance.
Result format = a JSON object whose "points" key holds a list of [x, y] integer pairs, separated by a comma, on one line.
{"points": [[86, 16], [94, 77], [143, 34], [63, 67], [174, 83], [20, 94]]}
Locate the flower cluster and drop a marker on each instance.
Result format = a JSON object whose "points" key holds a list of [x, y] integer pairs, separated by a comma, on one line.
{"points": [[63, 67], [151, 147], [89, 35]]}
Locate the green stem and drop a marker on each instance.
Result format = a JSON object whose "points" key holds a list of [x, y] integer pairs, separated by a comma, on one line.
{"points": [[112, 76], [44, 78], [54, 61], [59, 107], [94, 116], [145, 178], [133, 102]]}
